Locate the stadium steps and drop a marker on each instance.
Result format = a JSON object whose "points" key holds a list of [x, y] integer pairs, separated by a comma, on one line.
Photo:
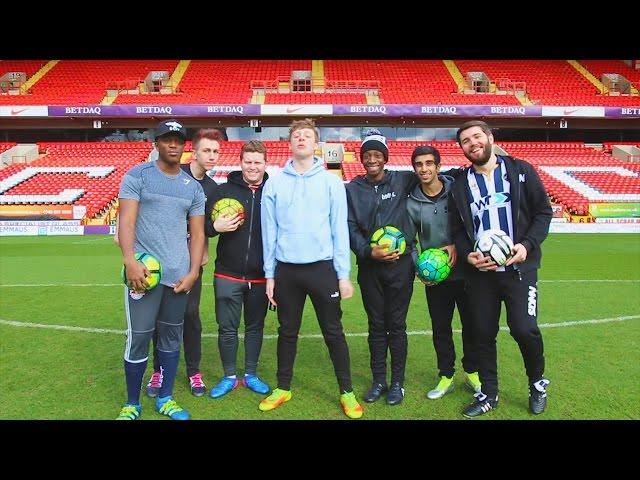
{"points": [[283, 87], [38, 75], [21, 153], [599, 67], [524, 100], [349, 157], [455, 73], [108, 99], [589, 76], [373, 99], [257, 98], [179, 72], [317, 76]]}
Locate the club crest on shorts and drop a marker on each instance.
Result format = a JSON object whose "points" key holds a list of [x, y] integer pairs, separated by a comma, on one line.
{"points": [[136, 295]]}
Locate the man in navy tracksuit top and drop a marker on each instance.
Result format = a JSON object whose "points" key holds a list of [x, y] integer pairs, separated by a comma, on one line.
{"points": [[376, 199], [429, 213], [500, 192], [239, 275]]}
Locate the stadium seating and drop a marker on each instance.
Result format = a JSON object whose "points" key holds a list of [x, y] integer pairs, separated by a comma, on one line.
{"points": [[58, 171], [608, 146], [220, 81], [573, 174], [410, 81], [599, 67], [576, 175], [4, 146], [315, 98], [29, 67], [548, 82], [84, 82]]}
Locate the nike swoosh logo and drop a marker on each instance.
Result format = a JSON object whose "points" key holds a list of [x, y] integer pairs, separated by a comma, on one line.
{"points": [[291, 110], [19, 111], [569, 111]]}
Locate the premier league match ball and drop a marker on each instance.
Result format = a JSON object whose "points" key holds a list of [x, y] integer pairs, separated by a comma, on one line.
{"points": [[152, 264], [433, 266], [390, 237], [496, 244], [227, 207]]}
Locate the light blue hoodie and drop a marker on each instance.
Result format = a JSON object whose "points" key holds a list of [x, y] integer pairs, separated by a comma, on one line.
{"points": [[304, 219]]}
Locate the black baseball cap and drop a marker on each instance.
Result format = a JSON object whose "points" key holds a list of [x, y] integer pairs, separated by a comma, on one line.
{"points": [[170, 126]]}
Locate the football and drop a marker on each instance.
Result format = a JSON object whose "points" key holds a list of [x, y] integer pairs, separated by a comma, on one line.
{"points": [[390, 237], [227, 206], [496, 244], [432, 266], [152, 264]]}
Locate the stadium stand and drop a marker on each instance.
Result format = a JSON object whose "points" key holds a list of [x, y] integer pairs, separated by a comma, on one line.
{"points": [[315, 98], [4, 146], [573, 174], [64, 167], [410, 81], [576, 175], [220, 81], [548, 82], [80, 82]]}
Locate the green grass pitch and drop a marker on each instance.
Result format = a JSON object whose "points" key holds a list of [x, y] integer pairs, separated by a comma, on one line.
{"points": [[62, 324]]}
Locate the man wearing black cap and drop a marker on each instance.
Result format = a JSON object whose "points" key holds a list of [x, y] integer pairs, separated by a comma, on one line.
{"points": [[206, 151], [374, 200], [156, 199]]}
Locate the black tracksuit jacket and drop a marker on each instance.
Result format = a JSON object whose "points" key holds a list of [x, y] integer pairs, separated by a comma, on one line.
{"points": [[239, 253], [373, 206], [530, 207]]}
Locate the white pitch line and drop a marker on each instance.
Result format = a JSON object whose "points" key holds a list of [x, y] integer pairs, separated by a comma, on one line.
{"points": [[13, 323], [586, 280], [39, 285], [70, 328], [99, 239], [599, 280]]}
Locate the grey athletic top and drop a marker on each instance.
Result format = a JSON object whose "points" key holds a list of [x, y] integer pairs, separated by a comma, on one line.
{"points": [[165, 202]]}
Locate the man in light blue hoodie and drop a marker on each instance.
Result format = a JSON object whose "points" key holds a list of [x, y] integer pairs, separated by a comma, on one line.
{"points": [[305, 240]]}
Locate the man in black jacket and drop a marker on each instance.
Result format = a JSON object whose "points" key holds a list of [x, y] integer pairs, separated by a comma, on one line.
{"points": [[239, 276], [500, 192], [374, 200]]}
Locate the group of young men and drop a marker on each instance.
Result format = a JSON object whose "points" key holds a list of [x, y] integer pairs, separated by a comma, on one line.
{"points": [[294, 241]]}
